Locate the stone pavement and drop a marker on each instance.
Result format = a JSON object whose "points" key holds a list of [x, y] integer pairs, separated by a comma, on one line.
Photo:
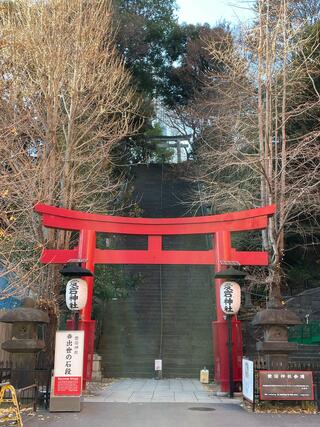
{"points": [[157, 391], [108, 414], [162, 403]]}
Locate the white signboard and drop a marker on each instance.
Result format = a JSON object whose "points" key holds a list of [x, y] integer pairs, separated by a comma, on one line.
{"points": [[76, 294], [247, 379], [68, 363], [230, 297], [158, 365]]}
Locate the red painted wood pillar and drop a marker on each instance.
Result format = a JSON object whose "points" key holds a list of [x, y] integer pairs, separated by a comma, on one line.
{"points": [[222, 245], [86, 251]]}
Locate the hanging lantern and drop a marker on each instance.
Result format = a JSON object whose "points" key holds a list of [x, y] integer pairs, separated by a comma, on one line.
{"points": [[230, 297], [76, 294]]}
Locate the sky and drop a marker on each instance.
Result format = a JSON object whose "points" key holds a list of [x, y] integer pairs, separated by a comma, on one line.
{"points": [[213, 11]]}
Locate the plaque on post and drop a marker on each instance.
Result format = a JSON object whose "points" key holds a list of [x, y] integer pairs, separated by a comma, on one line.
{"points": [[286, 385]]}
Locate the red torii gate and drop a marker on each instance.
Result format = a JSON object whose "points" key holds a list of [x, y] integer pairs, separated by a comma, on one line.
{"points": [[220, 226]]}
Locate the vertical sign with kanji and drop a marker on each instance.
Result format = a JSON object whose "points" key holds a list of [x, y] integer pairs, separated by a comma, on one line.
{"points": [[76, 294], [68, 363], [230, 297]]}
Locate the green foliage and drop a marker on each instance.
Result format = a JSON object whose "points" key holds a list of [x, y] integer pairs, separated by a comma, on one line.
{"points": [[139, 150], [159, 154], [167, 61], [302, 266], [155, 130], [147, 38], [187, 80], [146, 29], [247, 240], [300, 273], [112, 282], [163, 155]]}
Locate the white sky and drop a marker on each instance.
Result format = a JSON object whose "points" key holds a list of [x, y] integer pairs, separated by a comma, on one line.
{"points": [[213, 11]]}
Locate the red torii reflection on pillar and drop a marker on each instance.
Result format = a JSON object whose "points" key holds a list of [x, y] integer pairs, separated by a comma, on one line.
{"points": [[220, 226]]}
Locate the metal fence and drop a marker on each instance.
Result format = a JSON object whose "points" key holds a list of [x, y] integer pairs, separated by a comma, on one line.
{"points": [[28, 397], [38, 391], [308, 333]]}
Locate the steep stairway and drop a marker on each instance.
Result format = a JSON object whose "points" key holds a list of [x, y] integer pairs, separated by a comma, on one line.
{"points": [[169, 314]]}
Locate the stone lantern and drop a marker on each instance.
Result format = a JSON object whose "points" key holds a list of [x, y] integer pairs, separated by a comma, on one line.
{"points": [[275, 346], [26, 341]]}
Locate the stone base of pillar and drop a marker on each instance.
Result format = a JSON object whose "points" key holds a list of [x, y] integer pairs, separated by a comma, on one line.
{"points": [[96, 369]]}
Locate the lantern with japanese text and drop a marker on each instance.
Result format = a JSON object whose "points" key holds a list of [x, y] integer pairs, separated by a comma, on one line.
{"points": [[230, 297], [76, 294]]}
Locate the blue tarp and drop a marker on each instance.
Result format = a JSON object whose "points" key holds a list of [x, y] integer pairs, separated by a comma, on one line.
{"points": [[10, 302]]}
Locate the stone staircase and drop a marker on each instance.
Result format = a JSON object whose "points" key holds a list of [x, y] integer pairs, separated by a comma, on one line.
{"points": [[169, 315]]}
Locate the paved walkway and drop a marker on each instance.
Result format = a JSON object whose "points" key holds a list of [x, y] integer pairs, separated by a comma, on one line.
{"points": [[149, 403], [167, 415], [157, 391]]}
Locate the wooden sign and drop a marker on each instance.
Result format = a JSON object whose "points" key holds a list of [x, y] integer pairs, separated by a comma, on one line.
{"points": [[286, 385]]}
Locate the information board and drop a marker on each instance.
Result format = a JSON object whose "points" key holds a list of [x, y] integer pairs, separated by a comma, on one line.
{"points": [[68, 363], [286, 385], [248, 379]]}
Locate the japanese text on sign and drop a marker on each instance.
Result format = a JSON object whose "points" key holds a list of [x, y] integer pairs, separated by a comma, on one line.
{"points": [[76, 294], [286, 385], [68, 363], [230, 297]]}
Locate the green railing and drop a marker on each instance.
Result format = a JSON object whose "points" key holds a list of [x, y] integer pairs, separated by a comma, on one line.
{"points": [[308, 333]]}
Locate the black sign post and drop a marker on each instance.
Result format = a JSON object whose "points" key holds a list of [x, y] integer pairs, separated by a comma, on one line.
{"points": [[76, 320], [230, 353]]}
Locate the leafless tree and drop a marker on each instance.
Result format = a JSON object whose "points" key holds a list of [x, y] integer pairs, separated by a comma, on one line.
{"points": [[66, 100], [250, 156]]}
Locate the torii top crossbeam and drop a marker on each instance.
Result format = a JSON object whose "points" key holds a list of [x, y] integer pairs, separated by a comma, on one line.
{"points": [[154, 228]]}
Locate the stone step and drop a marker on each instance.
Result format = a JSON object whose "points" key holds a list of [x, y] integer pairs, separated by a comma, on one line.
{"points": [[132, 326]]}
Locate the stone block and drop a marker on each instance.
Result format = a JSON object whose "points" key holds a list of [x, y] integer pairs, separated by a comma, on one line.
{"points": [[64, 403], [96, 368]]}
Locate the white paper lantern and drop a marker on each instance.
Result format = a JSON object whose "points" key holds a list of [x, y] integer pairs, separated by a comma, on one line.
{"points": [[230, 297], [76, 294]]}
